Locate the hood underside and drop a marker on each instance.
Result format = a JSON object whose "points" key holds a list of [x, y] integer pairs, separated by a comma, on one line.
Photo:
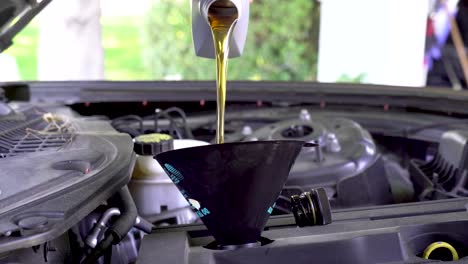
{"points": [[15, 15]]}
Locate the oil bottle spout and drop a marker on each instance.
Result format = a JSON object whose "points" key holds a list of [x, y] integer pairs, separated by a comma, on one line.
{"points": [[201, 32]]}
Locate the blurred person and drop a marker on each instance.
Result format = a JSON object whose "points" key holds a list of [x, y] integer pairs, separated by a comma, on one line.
{"points": [[442, 59]]}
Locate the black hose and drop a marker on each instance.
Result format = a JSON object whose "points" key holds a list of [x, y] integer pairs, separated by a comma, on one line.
{"points": [[182, 114], [126, 120], [108, 256], [115, 233], [132, 132], [128, 215], [97, 252], [144, 225], [172, 123]]}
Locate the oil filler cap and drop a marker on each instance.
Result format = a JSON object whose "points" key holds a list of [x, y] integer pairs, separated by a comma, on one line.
{"points": [[152, 144], [311, 208]]}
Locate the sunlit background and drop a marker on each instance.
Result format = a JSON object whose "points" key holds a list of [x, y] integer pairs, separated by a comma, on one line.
{"points": [[367, 41]]}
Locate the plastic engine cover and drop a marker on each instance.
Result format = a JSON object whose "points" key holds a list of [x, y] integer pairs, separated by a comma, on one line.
{"points": [[347, 160], [50, 181]]}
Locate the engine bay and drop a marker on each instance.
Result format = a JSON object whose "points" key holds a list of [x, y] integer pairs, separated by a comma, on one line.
{"points": [[380, 153], [276, 170], [382, 168]]}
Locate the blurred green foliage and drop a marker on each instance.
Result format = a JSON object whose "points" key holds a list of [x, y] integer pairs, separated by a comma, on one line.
{"points": [[345, 78], [281, 43], [24, 50], [121, 40], [123, 49]]}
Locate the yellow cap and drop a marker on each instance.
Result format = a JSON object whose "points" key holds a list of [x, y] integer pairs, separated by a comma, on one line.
{"points": [[436, 245]]}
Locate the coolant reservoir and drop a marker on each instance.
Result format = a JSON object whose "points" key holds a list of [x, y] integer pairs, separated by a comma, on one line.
{"points": [[152, 190]]}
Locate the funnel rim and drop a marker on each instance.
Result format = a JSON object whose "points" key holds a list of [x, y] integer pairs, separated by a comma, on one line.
{"points": [[234, 144]]}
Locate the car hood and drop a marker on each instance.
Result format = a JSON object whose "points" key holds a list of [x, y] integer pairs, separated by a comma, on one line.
{"points": [[14, 16]]}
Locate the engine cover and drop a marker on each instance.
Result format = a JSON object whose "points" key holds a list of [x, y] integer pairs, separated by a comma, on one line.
{"points": [[55, 172], [346, 160]]}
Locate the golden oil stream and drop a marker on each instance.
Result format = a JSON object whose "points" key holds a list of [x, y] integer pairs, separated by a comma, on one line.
{"points": [[222, 22]]}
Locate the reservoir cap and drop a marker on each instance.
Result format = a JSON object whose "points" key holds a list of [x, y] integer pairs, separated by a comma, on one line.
{"points": [[152, 144]]}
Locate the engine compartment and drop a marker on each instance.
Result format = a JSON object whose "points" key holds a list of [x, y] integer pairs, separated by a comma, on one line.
{"points": [[367, 157], [367, 149]]}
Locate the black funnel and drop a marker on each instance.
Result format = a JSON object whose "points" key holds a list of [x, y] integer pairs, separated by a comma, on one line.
{"points": [[232, 187]]}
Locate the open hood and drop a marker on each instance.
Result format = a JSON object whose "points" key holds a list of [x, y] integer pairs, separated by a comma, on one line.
{"points": [[14, 16]]}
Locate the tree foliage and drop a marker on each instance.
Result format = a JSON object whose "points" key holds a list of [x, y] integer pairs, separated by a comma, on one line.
{"points": [[281, 42]]}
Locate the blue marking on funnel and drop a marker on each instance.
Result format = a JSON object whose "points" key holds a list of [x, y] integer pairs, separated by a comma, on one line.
{"points": [[174, 174], [270, 210], [202, 212]]}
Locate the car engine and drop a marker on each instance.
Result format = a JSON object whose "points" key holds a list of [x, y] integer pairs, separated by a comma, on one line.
{"points": [[65, 172]]}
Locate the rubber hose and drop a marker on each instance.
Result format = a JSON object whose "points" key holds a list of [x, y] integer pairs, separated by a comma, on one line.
{"points": [[144, 225], [123, 224], [128, 130], [98, 251], [128, 215]]}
